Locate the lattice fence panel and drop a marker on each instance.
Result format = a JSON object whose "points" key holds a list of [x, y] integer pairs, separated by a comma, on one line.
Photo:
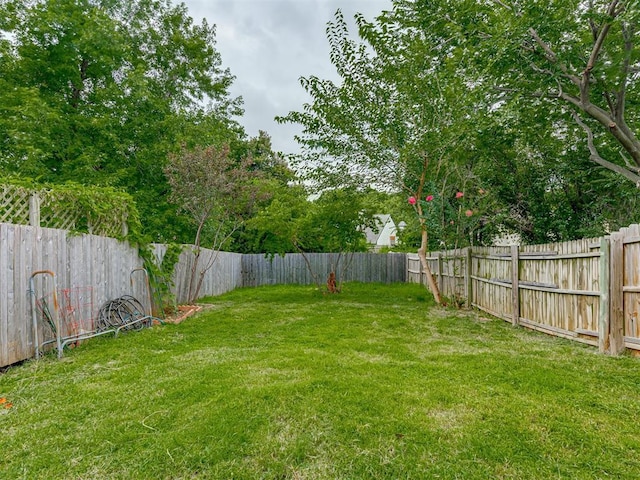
{"points": [[14, 204], [53, 215], [110, 225], [60, 210]]}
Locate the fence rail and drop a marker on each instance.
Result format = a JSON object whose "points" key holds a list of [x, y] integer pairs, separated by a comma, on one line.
{"points": [[585, 290]]}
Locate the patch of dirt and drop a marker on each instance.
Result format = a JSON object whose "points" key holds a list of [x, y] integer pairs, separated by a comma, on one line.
{"points": [[183, 312]]}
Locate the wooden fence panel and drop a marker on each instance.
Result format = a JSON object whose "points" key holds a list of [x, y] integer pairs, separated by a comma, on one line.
{"points": [[13, 344], [292, 268], [554, 288], [6, 303], [631, 286], [449, 269], [450, 272], [224, 275], [97, 269], [413, 268], [491, 274], [560, 290]]}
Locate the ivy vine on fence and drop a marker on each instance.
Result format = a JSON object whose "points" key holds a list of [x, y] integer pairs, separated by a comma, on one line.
{"points": [[103, 211]]}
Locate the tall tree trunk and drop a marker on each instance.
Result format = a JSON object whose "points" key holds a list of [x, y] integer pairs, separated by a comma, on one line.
{"points": [[422, 254], [424, 241]]}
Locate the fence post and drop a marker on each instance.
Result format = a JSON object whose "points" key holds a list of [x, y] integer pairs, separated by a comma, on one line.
{"points": [[34, 210], [440, 279], [468, 279], [515, 283], [616, 294], [603, 320]]}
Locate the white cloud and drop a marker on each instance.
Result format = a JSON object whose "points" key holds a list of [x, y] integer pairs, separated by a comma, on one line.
{"points": [[268, 45]]}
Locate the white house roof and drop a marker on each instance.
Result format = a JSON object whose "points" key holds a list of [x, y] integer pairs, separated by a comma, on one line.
{"points": [[381, 221]]}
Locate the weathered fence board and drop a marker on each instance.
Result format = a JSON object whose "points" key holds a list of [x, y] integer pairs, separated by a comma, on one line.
{"points": [[98, 267], [223, 276], [586, 290], [105, 269], [293, 268], [631, 286], [568, 296]]}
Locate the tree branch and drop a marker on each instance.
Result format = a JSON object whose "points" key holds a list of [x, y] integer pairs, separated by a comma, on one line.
{"points": [[602, 35], [621, 132], [595, 156], [630, 166], [552, 57], [594, 29], [595, 52]]}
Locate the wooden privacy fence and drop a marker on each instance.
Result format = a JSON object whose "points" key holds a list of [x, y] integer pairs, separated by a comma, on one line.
{"points": [[293, 269], [103, 269], [585, 290], [224, 276]]}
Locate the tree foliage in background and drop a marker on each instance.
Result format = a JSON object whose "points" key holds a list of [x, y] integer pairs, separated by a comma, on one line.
{"points": [[101, 91], [332, 223], [275, 174], [578, 61], [534, 103], [526, 101]]}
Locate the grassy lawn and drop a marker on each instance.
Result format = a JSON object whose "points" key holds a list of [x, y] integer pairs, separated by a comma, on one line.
{"points": [[282, 382]]}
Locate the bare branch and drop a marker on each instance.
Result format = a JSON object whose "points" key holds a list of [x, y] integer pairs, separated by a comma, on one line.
{"points": [[549, 53], [629, 164], [595, 52], [610, 102], [594, 29], [560, 90], [552, 57], [595, 156]]}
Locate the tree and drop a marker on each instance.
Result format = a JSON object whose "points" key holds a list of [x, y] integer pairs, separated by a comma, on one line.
{"points": [[218, 194], [100, 91], [528, 150], [496, 96], [397, 118], [333, 223], [272, 169], [578, 61]]}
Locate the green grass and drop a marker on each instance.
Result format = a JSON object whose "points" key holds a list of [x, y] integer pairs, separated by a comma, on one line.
{"points": [[284, 383]]}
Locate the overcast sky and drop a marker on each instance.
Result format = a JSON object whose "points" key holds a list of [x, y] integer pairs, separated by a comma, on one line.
{"points": [[268, 45]]}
